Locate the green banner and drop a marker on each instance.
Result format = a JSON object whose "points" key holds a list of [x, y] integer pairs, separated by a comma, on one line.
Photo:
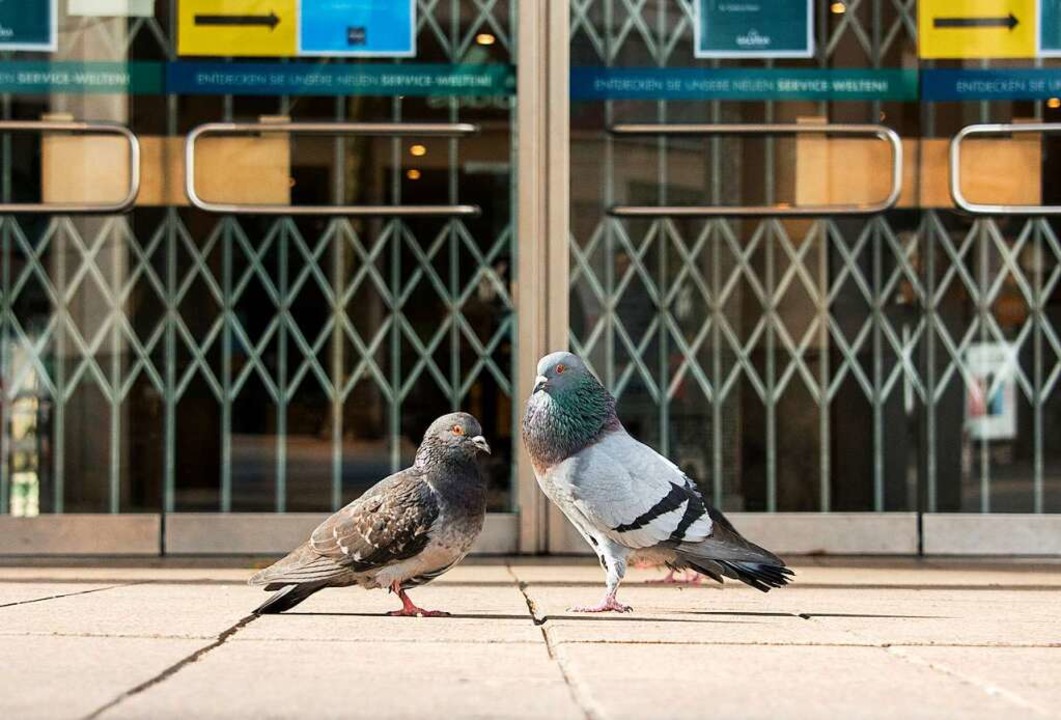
{"points": [[31, 77], [600, 83]]}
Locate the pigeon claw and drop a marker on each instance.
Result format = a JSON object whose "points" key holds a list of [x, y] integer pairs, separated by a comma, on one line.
{"points": [[409, 609], [418, 612], [608, 604]]}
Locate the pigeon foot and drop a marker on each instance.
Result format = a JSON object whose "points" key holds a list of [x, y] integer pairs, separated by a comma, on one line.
{"points": [[408, 608], [417, 612], [608, 604]]}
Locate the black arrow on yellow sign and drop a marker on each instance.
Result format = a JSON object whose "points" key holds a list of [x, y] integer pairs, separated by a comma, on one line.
{"points": [[976, 22], [270, 21]]}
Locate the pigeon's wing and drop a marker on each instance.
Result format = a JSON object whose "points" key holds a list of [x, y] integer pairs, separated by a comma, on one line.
{"points": [[634, 495], [389, 522]]}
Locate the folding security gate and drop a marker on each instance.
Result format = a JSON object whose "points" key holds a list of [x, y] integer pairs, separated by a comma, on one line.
{"points": [[252, 313], [818, 350], [315, 259]]}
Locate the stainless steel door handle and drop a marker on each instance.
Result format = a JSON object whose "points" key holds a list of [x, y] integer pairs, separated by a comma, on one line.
{"points": [[79, 128], [700, 130], [324, 128], [955, 181]]}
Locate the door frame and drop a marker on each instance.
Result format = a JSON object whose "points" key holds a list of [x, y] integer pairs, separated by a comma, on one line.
{"points": [[542, 272]]}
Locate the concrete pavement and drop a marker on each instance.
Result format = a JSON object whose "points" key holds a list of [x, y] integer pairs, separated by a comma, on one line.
{"points": [[854, 638]]}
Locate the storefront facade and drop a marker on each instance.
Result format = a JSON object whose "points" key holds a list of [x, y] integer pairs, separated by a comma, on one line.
{"points": [[237, 289]]}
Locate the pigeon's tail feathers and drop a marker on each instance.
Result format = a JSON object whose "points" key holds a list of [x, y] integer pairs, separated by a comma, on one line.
{"points": [[726, 552], [303, 565], [287, 597], [761, 576]]}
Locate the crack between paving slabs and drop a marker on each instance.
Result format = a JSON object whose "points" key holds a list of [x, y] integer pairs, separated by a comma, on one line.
{"points": [[896, 651], [174, 668], [991, 690], [69, 594], [577, 695]]}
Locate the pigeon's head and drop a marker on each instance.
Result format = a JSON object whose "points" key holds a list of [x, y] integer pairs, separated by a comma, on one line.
{"points": [[458, 433], [563, 374], [567, 409]]}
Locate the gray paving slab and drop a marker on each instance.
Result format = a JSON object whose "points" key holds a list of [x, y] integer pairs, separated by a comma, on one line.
{"points": [[69, 677], [480, 614], [125, 575], [148, 610], [726, 681], [679, 615], [377, 680], [1030, 677], [869, 640], [981, 616]]}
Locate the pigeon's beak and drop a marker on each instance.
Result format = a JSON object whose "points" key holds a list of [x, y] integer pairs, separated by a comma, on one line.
{"points": [[480, 442], [539, 383]]}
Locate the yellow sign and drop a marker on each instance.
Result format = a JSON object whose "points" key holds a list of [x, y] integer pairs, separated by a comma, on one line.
{"points": [[976, 28], [247, 28]]}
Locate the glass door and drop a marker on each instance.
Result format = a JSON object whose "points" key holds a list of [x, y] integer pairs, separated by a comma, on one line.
{"points": [[290, 299], [802, 318], [745, 267]]}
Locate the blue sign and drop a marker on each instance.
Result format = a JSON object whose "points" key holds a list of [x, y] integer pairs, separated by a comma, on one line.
{"points": [[305, 78], [368, 28], [29, 25], [1001, 84], [598, 83], [754, 28], [1049, 28]]}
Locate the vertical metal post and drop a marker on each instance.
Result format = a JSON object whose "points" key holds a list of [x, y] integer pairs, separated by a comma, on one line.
{"points": [[172, 221], [663, 238], [338, 283], [610, 302], [453, 281], [393, 233], [7, 392], [543, 159], [61, 320], [282, 393], [983, 310], [116, 394], [1038, 300], [931, 323], [771, 321], [824, 397], [878, 369], [228, 315], [718, 311], [169, 472]]}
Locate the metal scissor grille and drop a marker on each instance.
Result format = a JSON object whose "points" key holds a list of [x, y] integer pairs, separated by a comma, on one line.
{"points": [[171, 359], [807, 366]]}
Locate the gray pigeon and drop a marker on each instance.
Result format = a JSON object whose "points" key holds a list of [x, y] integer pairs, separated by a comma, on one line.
{"points": [[628, 501], [405, 531]]}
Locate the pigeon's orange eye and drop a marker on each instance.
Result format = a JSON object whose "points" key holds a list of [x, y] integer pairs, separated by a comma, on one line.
{"points": [[458, 430], [560, 369]]}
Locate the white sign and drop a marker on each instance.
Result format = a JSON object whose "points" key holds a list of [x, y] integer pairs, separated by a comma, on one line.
{"points": [[111, 8], [991, 396]]}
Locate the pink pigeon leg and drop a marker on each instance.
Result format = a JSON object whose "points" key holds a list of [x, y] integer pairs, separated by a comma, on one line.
{"points": [[608, 604], [673, 579], [668, 580], [409, 609]]}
